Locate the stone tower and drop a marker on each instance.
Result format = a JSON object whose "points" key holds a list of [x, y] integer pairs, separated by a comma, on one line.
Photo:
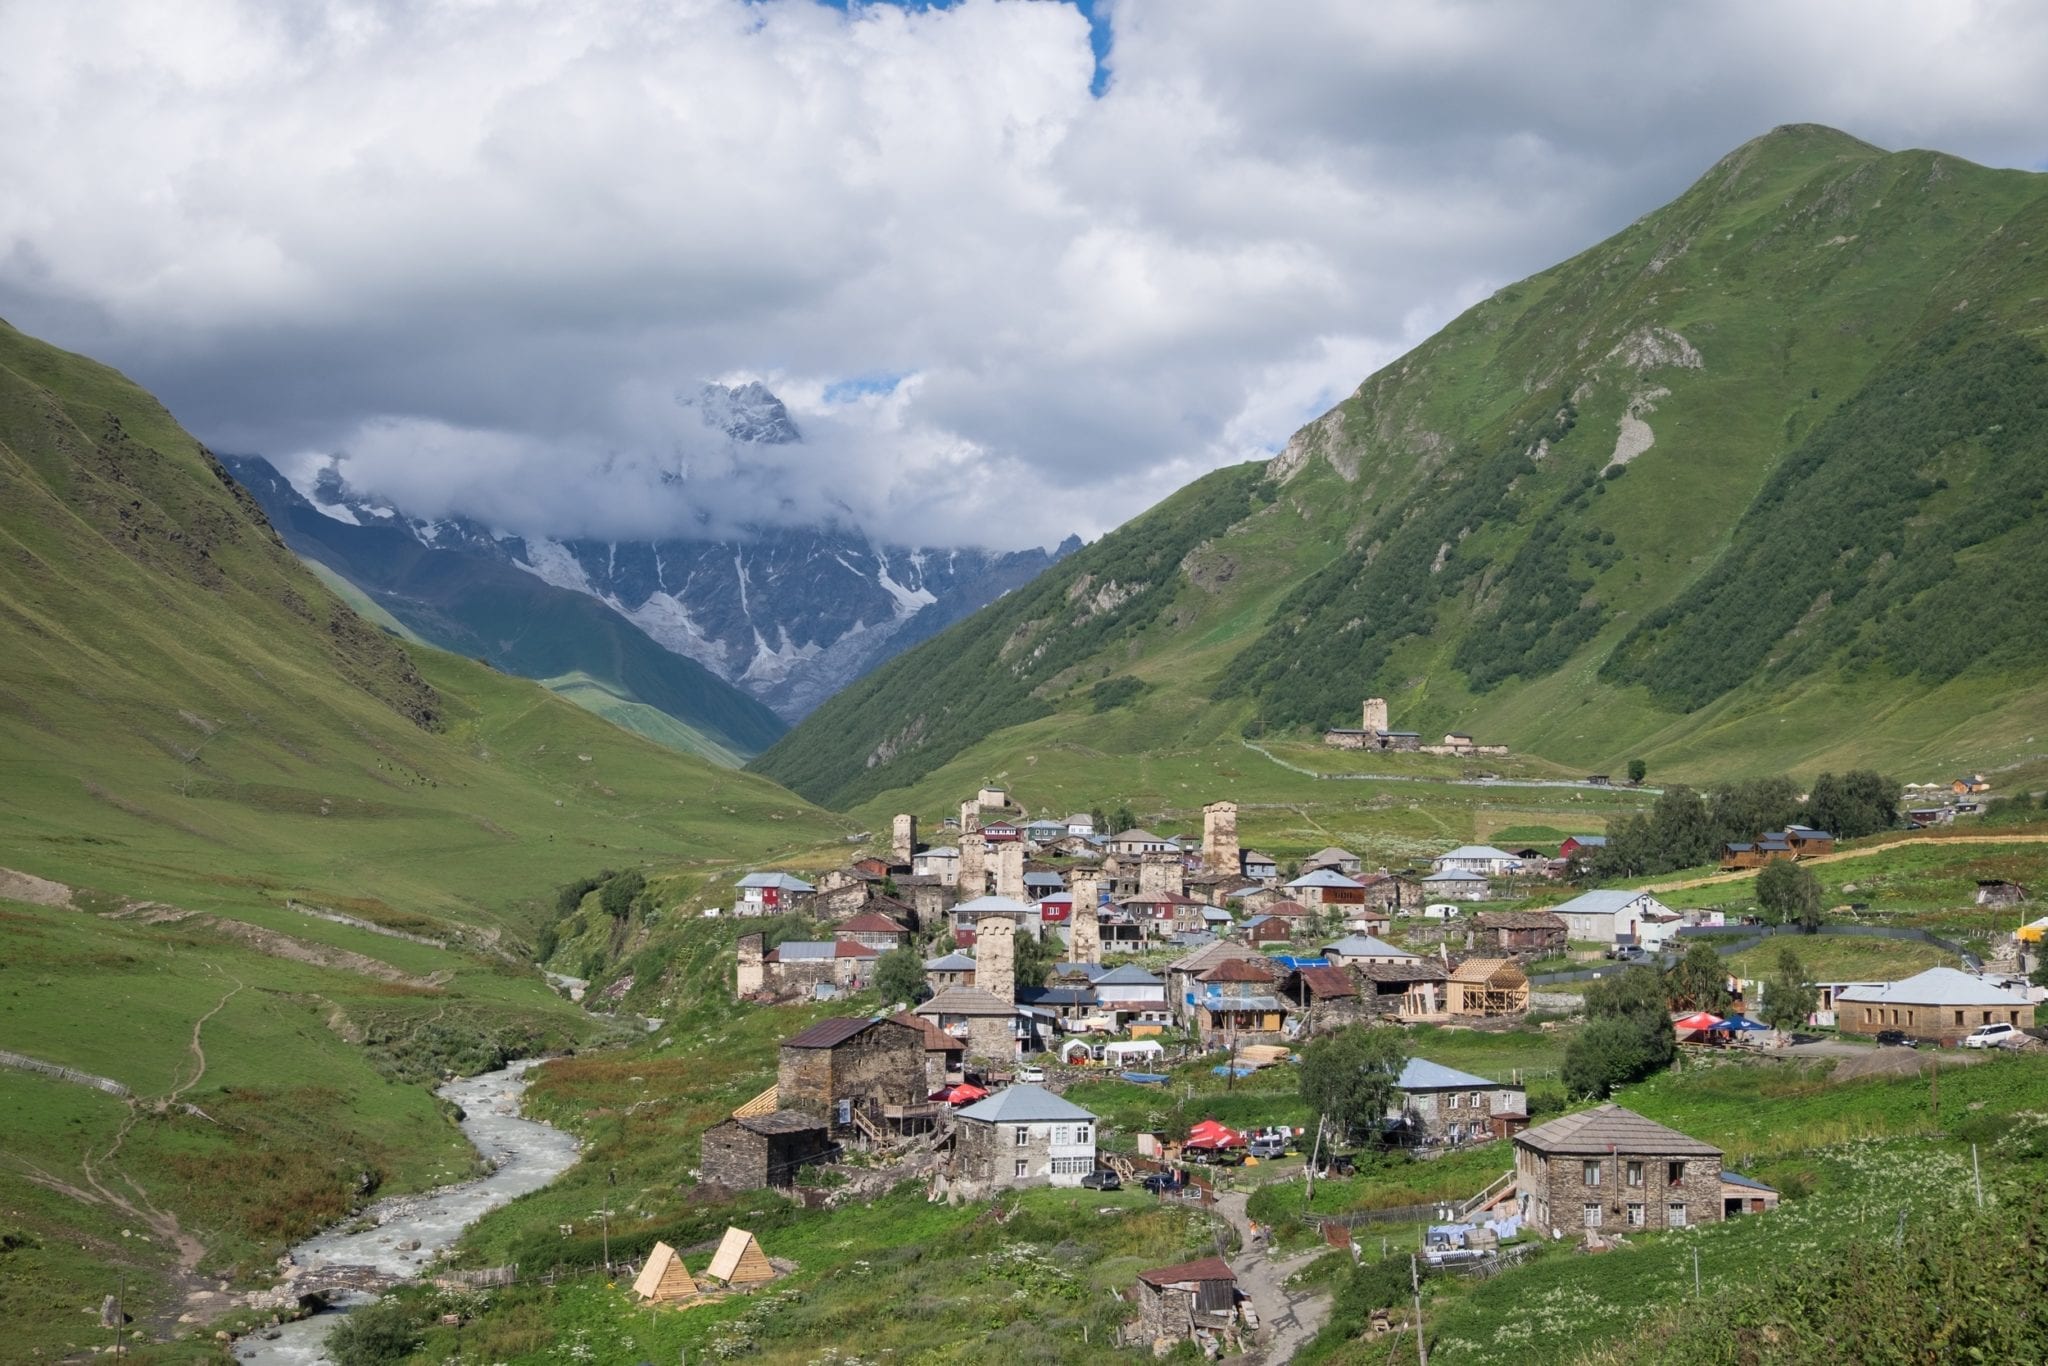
{"points": [[995, 956], [973, 865], [1009, 862], [1219, 837], [903, 839], [1376, 715], [1087, 889], [1161, 875], [1084, 929], [970, 816], [753, 969]]}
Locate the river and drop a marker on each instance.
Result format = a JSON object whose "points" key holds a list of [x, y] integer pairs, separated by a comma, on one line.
{"points": [[526, 1154]]}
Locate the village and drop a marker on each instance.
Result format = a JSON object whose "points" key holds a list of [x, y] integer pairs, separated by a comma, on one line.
{"points": [[1022, 958]]}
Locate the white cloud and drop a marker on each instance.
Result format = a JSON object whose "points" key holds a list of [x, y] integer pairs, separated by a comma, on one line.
{"points": [[481, 245]]}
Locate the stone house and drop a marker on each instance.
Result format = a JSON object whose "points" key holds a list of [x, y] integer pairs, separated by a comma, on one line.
{"points": [[756, 1151], [929, 896], [1326, 888], [1487, 988], [1258, 867], [943, 861], [1334, 860], [985, 1025], [1609, 1170], [942, 1052], [856, 1074], [1239, 998], [807, 968], [1531, 934], [1367, 920], [1443, 1105], [954, 969], [1268, 929], [1402, 991], [843, 892], [875, 930], [1181, 986], [1193, 1300], [1942, 1004], [1457, 884], [1023, 1136], [1133, 844], [1998, 892]]}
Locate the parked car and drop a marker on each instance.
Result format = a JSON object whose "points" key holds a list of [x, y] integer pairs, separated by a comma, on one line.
{"points": [[1031, 1073], [1629, 953], [1162, 1183], [1103, 1179], [1895, 1038], [1991, 1035], [1266, 1146]]}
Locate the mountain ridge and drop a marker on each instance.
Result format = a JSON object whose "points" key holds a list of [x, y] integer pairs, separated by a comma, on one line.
{"points": [[1474, 531]]}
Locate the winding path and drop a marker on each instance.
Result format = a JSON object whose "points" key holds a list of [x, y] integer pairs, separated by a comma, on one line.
{"points": [[1287, 1322]]}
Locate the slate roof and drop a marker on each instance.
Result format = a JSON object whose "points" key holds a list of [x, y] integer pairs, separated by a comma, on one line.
{"points": [[1420, 970], [1206, 1269], [966, 1001], [1748, 1182], [828, 1033], [952, 962], [1485, 851], [1024, 1104], [1609, 1127], [1454, 875], [1094, 972], [781, 1122], [936, 1040], [1323, 877], [1366, 946], [1420, 1074], [1287, 908], [1331, 855], [1517, 920], [1937, 987], [1129, 975], [992, 905], [1138, 837], [1208, 954]]}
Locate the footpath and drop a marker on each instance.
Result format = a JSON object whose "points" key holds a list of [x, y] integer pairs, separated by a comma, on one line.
{"points": [[1287, 1320]]}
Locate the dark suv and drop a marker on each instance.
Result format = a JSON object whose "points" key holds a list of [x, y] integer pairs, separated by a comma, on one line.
{"points": [[1103, 1179], [1894, 1038], [1162, 1183]]}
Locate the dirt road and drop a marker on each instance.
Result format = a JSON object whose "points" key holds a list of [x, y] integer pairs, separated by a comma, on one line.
{"points": [[1287, 1320], [1931, 842]]}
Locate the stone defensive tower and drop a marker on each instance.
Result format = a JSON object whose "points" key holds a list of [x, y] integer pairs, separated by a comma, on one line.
{"points": [[1084, 929], [970, 817], [995, 956], [1009, 860], [903, 839], [753, 966], [973, 865], [1219, 837], [1375, 715], [1161, 875]]}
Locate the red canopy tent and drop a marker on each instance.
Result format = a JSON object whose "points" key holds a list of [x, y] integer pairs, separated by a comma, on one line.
{"points": [[1697, 1023], [961, 1093], [1210, 1136]]}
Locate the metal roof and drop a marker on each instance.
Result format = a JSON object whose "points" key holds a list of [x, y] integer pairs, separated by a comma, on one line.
{"points": [[1129, 975], [952, 962], [1454, 875], [781, 880], [1609, 1128], [1611, 901], [811, 950], [992, 905], [1421, 1074], [1485, 851], [1590, 841], [1024, 1105], [1937, 987], [1366, 946], [1207, 1269], [965, 1001], [831, 1033], [1323, 877]]}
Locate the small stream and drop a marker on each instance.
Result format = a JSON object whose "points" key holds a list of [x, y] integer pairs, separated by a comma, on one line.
{"points": [[527, 1155]]}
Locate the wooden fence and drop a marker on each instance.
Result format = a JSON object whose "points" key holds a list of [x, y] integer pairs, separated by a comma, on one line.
{"points": [[25, 1063]]}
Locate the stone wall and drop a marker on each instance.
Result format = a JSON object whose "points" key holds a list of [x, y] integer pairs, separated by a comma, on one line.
{"points": [[738, 1158], [1374, 714], [1161, 875], [882, 1065], [1555, 1192]]}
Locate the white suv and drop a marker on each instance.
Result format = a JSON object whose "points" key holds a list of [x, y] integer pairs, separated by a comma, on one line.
{"points": [[1991, 1035]]}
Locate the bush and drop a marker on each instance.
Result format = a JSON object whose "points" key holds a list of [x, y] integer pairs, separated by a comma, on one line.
{"points": [[378, 1334]]}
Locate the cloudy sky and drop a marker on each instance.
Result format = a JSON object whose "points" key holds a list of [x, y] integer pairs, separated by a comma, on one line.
{"points": [[1019, 267]]}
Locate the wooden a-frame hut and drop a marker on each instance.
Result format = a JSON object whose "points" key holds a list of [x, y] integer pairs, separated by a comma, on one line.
{"points": [[664, 1279], [739, 1260]]}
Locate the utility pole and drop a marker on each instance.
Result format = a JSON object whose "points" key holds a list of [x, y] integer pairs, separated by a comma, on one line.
{"points": [[1421, 1339], [1314, 1151], [1977, 1175], [1695, 1273]]}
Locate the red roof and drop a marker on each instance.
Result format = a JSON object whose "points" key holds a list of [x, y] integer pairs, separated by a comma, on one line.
{"points": [[1239, 970], [1327, 981], [1207, 1269], [1285, 908], [936, 1040]]}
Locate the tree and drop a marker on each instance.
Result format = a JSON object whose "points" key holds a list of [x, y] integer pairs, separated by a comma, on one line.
{"points": [[1860, 802], [620, 892], [1698, 981], [1035, 956], [1745, 809], [1791, 893], [1788, 997], [1351, 1079], [899, 976], [1637, 771], [2039, 976], [378, 1334], [1123, 820], [1681, 830], [1628, 1035], [1099, 821]]}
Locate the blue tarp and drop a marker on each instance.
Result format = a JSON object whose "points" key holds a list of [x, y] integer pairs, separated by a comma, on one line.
{"points": [[1146, 1078], [1224, 1071], [1735, 1023], [1291, 961]]}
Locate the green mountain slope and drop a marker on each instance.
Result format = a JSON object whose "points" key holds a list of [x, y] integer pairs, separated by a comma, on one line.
{"points": [[1751, 485], [256, 851]]}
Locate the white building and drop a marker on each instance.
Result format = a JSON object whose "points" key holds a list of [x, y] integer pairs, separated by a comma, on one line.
{"points": [[942, 862], [1081, 824], [1364, 948], [1617, 916], [1457, 884], [769, 893], [1024, 1136], [1483, 859]]}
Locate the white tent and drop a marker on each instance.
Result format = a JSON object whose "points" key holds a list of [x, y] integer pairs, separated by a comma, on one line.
{"points": [[1117, 1054]]}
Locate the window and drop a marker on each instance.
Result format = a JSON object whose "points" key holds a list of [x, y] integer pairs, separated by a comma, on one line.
{"points": [[1590, 1215], [1635, 1215], [1635, 1173], [1474, 1101], [1591, 1171], [1455, 1133], [1674, 1173], [1023, 1136], [1454, 1100], [1674, 1214], [1866, 1016], [1959, 1017], [1023, 1169], [1062, 1135], [845, 1113], [1081, 1134]]}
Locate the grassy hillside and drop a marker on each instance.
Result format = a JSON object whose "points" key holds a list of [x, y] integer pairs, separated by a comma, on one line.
{"points": [[1753, 485], [232, 800]]}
